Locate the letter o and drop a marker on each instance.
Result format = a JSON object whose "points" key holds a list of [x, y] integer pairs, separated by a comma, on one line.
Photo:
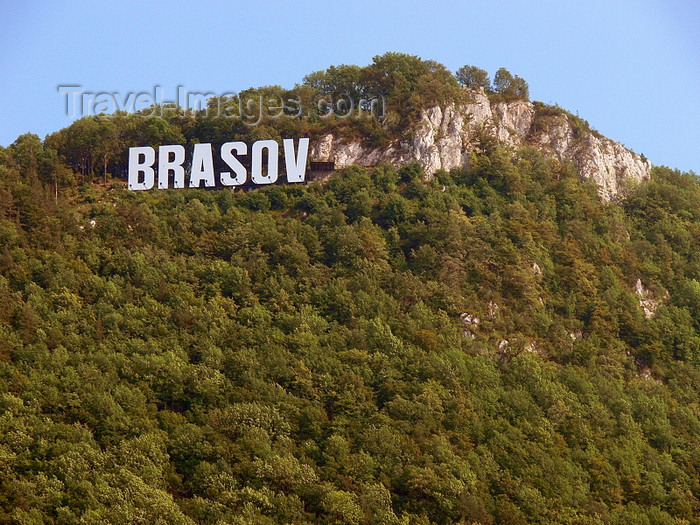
{"points": [[257, 162]]}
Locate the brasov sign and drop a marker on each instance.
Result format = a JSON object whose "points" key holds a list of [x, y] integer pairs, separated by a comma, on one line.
{"points": [[171, 161]]}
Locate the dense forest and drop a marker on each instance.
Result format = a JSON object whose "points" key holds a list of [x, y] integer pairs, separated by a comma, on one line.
{"points": [[492, 345]]}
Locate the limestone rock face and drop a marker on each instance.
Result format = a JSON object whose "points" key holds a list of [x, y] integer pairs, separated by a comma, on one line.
{"points": [[444, 137], [512, 121], [648, 302], [606, 162], [609, 163]]}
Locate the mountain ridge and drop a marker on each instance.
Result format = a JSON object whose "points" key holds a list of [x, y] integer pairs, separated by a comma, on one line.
{"points": [[428, 115]]}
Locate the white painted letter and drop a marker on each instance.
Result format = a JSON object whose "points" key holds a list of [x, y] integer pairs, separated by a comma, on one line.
{"points": [[296, 165], [145, 167], [256, 169], [202, 166], [165, 166], [241, 148]]}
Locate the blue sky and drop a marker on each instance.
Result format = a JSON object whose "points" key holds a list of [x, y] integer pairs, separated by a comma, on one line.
{"points": [[631, 68]]}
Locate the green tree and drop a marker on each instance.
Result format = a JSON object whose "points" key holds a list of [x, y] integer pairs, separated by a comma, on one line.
{"points": [[473, 78], [502, 81], [509, 86], [108, 143], [26, 152]]}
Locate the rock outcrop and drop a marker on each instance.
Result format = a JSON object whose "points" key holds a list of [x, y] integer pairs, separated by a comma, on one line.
{"points": [[444, 137], [648, 302]]}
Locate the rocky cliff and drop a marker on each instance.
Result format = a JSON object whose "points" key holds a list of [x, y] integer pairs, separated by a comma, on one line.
{"points": [[443, 138]]}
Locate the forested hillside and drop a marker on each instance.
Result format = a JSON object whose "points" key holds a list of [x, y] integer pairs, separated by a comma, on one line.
{"points": [[494, 346]]}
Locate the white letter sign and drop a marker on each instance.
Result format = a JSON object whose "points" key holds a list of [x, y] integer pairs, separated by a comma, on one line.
{"points": [[263, 161]]}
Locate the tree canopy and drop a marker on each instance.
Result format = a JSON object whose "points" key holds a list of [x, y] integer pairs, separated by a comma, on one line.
{"points": [[473, 77], [489, 345], [376, 349]]}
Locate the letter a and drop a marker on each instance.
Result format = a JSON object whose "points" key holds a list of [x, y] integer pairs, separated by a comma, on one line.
{"points": [[202, 166]]}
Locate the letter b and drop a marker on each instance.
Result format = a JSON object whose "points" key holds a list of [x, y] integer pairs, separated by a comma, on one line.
{"points": [[146, 167]]}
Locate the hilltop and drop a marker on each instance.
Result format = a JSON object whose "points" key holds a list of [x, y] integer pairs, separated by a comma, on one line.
{"points": [[398, 110]]}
